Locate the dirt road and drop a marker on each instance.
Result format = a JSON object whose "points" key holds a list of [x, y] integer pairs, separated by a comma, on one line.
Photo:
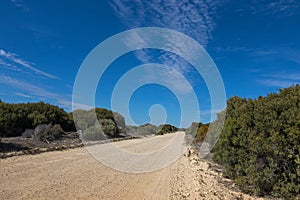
{"points": [[76, 174]]}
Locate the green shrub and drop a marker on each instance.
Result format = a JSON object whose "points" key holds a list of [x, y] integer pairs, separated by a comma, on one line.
{"points": [[143, 130], [16, 118], [198, 131], [109, 127], [93, 133], [89, 119], [166, 128], [260, 143], [120, 121], [48, 133]]}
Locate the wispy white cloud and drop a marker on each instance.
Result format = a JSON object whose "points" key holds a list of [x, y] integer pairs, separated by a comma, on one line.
{"points": [[275, 8], [35, 91], [279, 79], [12, 57], [263, 52], [291, 55], [258, 52], [8, 66], [281, 83], [174, 79], [24, 95], [20, 4], [282, 53], [194, 18], [285, 75]]}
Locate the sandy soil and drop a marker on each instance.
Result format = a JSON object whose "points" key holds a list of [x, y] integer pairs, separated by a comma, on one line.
{"points": [[75, 174]]}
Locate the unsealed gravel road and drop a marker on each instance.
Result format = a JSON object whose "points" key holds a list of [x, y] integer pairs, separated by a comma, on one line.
{"points": [[75, 174]]}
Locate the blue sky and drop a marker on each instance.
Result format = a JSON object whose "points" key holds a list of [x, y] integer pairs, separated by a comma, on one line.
{"points": [[255, 45]]}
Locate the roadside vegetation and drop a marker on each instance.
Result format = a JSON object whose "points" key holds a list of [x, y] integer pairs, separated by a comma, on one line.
{"points": [[17, 118], [98, 123], [166, 128], [29, 127], [198, 131], [151, 129], [259, 146], [143, 130]]}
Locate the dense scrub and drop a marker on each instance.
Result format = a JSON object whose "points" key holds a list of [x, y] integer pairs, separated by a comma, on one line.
{"points": [[260, 143], [143, 130], [166, 128], [98, 123], [198, 131], [16, 118]]}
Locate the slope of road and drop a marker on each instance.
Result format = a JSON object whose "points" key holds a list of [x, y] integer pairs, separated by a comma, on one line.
{"points": [[76, 174]]}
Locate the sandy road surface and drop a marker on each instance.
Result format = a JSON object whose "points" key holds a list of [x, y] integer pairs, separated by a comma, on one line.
{"points": [[75, 174]]}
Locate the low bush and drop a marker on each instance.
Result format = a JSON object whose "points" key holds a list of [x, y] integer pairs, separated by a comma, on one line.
{"points": [[198, 131], [16, 118], [93, 133], [260, 143], [166, 128], [111, 124]]}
